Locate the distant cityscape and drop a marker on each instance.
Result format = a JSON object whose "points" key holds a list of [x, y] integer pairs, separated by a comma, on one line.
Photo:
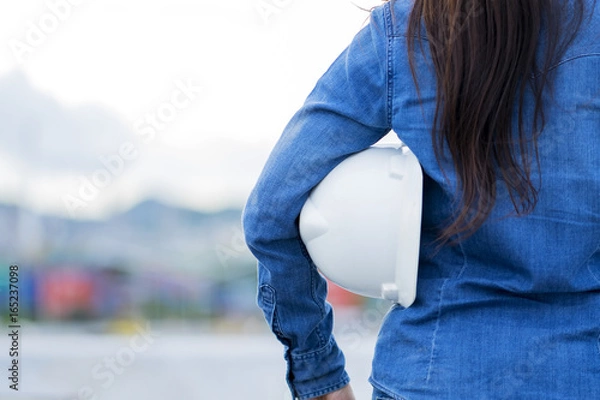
{"points": [[153, 262]]}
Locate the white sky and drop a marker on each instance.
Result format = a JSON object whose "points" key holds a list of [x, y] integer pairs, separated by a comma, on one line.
{"points": [[251, 73]]}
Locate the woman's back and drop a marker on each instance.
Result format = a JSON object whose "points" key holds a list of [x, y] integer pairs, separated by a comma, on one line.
{"points": [[513, 311]]}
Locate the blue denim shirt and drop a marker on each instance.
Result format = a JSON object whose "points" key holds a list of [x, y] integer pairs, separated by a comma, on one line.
{"points": [[511, 312]]}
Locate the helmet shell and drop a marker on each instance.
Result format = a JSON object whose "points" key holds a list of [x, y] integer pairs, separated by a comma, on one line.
{"points": [[361, 224]]}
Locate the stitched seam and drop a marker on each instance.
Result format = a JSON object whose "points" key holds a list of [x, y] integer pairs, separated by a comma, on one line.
{"points": [[314, 297], [393, 25], [271, 302], [390, 75], [435, 331], [312, 271], [465, 263]]}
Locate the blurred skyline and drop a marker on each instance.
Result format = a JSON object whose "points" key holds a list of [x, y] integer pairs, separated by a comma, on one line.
{"points": [[104, 104]]}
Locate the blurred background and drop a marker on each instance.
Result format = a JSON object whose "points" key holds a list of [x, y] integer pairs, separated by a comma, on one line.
{"points": [[131, 133]]}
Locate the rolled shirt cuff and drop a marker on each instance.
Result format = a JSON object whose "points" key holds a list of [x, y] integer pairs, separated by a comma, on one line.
{"points": [[316, 373]]}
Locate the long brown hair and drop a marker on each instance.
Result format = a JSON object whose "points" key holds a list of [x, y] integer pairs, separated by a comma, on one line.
{"points": [[484, 56]]}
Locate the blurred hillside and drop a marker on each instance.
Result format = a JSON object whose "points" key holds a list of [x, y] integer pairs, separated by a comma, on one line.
{"points": [[150, 235], [152, 261]]}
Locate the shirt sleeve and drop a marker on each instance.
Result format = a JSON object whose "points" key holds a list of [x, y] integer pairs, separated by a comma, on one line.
{"points": [[347, 111]]}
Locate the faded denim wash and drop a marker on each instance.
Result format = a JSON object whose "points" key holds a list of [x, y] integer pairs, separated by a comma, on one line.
{"points": [[513, 312]]}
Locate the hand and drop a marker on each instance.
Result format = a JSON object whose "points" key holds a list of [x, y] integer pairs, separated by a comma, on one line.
{"points": [[344, 393]]}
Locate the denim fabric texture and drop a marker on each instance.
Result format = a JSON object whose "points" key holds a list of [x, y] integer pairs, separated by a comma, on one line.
{"points": [[513, 312]]}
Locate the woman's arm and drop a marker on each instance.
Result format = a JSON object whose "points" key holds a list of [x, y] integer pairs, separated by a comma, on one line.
{"points": [[348, 110]]}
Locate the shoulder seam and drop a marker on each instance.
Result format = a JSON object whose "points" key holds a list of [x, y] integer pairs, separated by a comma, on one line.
{"points": [[389, 63]]}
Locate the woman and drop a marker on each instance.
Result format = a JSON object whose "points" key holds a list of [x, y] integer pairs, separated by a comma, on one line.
{"points": [[500, 102]]}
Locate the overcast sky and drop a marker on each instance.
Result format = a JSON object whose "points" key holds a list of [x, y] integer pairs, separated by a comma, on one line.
{"points": [[107, 102]]}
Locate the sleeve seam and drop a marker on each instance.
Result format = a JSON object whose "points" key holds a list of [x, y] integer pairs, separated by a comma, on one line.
{"points": [[312, 270]]}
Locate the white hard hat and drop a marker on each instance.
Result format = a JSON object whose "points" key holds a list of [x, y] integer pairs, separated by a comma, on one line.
{"points": [[361, 224]]}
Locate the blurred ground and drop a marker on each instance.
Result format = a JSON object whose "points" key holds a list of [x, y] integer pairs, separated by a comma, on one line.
{"points": [[153, 364]]}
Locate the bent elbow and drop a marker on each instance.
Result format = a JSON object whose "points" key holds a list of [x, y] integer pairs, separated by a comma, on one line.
{"points": [[251, 215]]}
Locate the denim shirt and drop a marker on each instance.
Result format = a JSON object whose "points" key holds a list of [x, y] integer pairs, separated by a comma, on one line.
{"points": [[511, 312]]}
